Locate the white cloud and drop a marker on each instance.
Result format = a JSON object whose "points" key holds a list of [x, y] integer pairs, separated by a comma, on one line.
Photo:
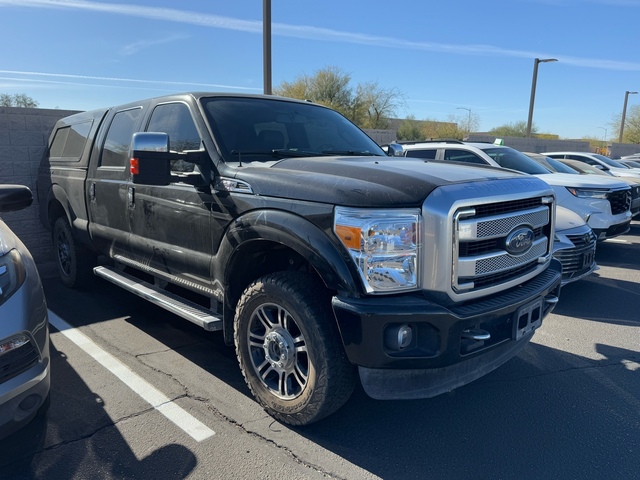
{"points": [[321, 34], [40, 77], [136, 47]]}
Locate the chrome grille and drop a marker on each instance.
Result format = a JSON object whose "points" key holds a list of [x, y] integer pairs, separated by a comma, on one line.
{"points": [[505, 261], [481, 263], [579, 259], [620, 201], [501, 226]]}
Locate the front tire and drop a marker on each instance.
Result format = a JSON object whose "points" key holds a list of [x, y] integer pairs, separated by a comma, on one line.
{"points": [[289, 348], [75, 262]]}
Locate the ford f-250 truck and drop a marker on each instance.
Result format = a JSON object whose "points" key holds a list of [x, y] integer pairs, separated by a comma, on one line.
{"points": [[319, 256]]}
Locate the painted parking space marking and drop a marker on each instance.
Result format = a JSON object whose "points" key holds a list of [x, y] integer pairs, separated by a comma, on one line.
{"points": [[154, 397]]}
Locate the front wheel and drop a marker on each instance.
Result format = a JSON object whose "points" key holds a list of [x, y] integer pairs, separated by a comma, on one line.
{"points": [[289, 348]]}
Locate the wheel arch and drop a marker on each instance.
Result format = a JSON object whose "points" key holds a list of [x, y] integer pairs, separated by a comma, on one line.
{"points": [[59, 204], [259, 243]]}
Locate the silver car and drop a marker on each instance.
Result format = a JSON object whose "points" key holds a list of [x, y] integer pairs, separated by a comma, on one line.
{"points": [[24, 325], [574, 246]]}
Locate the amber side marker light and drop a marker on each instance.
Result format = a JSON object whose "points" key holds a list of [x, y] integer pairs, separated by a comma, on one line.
{"points": [[134, 166]]}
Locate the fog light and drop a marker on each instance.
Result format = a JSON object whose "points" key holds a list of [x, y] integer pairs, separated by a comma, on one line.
{"points": [[398, 338], [30, 402]]}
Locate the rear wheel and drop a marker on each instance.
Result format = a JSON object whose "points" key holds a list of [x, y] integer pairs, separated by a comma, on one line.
{"points": [[289, 348], [75, 262]]}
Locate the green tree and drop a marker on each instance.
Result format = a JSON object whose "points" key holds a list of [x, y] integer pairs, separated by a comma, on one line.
{"points": [[17, 100], [367, 105], [516, 129], [443, 130], [410, 129], [631, 133]]}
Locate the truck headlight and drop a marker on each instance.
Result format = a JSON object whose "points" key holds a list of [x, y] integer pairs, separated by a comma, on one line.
{"points": [[384, 244], [12, 274], [588, 193]]}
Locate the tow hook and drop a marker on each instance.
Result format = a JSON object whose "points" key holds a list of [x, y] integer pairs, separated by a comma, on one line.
{"points": [[551, 299], [476, 334]]}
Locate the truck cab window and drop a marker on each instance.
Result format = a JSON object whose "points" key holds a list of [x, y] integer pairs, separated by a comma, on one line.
{"points": [[118, 139], [175, 120]]}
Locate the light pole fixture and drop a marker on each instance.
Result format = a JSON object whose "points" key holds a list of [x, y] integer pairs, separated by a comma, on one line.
{"points": [[469, 120], [536, 61], [266, 45], [624, 113], [604, 139]]}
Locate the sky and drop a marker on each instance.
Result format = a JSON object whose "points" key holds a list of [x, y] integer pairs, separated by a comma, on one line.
{"points": [[447, 59]]}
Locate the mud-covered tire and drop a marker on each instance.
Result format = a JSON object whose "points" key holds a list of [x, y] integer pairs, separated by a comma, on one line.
{"points": [[75, 262], [289, 348]]}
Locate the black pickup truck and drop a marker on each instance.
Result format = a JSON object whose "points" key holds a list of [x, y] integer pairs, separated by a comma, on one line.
{"points": [[322, 257]]}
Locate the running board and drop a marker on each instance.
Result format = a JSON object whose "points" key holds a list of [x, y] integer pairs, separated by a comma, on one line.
{"points": [[174, 303]]}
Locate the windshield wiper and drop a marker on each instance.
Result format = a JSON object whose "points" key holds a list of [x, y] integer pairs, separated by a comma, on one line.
{"points": [[350, 152], [276, 152]]}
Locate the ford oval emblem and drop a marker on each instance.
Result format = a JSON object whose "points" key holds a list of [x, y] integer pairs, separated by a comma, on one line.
{"points": [[519, 241]]}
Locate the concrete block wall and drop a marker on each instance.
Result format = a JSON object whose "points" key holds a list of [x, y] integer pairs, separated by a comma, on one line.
{"points": [[535, 145], [24, 133]]}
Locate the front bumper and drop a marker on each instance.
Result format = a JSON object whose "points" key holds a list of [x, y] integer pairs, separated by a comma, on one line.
{"points": [[613, 230], [441, 355], [25, 371], [23, 396]]}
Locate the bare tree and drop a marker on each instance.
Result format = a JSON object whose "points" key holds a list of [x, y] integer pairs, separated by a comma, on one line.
{"points": [[17, 100], [368, 105]]}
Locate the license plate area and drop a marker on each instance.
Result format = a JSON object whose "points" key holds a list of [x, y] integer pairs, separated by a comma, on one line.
{"points": [[527, 318], [587, 259]]}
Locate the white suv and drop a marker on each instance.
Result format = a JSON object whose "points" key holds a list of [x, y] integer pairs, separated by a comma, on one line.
{"points": [[601, 162], [603, 203]]}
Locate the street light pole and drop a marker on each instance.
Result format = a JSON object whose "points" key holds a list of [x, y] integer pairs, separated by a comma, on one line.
{"points": [[604, 139], [469, 120], [624, 113], [536, 61], [266, 45]]}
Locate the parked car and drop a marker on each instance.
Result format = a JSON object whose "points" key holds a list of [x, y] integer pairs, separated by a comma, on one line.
{"points": [[635, 163], [616, 168], [24, 325], [586, 169], [574, 246], [604, 203]]}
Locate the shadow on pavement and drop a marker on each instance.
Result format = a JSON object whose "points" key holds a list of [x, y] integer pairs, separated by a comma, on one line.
{"points": [[545, 414], [89, 446]]}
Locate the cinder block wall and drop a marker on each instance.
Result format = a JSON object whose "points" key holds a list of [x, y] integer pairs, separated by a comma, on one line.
{"points": [[24, 133]]}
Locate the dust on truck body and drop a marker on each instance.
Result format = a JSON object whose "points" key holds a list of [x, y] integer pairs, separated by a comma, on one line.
{"points": [[322, 259]]}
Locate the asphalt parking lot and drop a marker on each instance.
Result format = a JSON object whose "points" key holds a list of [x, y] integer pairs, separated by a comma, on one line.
{"points": [[139, 393]]}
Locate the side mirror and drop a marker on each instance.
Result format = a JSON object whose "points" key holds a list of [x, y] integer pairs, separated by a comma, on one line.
{"points": [[14, 197], [393, 150], [150, 159]]}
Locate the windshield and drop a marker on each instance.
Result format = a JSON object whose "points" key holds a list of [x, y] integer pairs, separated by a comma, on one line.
{"points": [[608, 161], [263, 130], [560, 167], [509, 158]]}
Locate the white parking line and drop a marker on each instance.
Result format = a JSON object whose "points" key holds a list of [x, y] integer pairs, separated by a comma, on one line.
{"points": [[158, 400]]}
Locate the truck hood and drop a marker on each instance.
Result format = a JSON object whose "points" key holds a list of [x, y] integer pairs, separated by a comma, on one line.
{"points": [[581, 181], [363, 181]]}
